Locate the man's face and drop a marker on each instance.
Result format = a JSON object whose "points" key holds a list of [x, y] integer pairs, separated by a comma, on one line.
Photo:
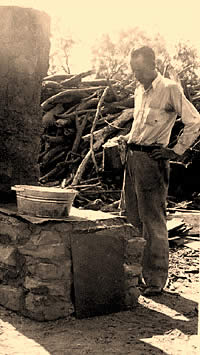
{"points": [[141, 69]]}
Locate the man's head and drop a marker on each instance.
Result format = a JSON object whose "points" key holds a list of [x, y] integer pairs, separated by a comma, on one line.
{"points": [[143, 64]]}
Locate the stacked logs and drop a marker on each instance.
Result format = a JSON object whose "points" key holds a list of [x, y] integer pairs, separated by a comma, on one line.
{"points": [[79, 116]]}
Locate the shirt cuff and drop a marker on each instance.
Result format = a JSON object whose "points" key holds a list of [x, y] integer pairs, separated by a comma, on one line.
{"points": [[179, 149]]}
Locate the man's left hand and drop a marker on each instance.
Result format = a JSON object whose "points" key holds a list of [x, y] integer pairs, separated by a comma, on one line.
{"points": [[163, 153]]}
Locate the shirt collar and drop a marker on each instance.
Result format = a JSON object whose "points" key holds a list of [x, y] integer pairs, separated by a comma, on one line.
{"points": [[153, 84], [156, 80]]}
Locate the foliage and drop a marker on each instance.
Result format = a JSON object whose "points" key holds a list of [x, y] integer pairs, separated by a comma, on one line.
{"points": [[61, 45], [186, 62], [111, 58]]}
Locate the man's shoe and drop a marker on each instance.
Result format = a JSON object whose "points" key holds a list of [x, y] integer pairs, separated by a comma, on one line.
{"points": [[152, 291]]}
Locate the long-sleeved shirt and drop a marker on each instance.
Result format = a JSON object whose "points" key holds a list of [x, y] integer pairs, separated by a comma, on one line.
{"points": [[155, 113]]}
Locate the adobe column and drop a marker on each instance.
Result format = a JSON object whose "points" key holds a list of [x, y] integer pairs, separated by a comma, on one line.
{"points": [[24, 61]]}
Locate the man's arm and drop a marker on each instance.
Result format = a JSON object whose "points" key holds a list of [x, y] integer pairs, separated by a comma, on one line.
{"points": [[191, 120], [164, 153]]}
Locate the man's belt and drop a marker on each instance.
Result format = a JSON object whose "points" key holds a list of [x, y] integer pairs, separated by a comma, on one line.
{"points": [[142, 148]]}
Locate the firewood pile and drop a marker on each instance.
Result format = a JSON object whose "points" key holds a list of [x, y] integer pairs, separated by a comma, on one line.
{"points": [[194, 93], [79, 117]]}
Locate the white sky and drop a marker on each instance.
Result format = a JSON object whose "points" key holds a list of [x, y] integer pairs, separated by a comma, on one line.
{"points": [[88, 19]]}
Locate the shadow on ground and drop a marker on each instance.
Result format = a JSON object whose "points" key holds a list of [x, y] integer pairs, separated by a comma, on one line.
{"points": [[161, 318]]}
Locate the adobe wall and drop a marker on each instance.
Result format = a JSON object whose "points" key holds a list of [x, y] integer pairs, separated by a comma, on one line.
{"points": [[24, 61]]}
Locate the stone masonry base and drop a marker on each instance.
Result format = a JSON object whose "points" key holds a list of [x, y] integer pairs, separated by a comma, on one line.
{"points": [[87, 264]]}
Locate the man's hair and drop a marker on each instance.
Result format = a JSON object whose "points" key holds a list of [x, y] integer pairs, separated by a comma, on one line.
{"points": [[146, 52]]}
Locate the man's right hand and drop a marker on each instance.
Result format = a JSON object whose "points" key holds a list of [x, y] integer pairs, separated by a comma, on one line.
{"points": [[121, 139]]}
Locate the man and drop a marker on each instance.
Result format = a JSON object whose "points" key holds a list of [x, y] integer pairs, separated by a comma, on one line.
{"points": [[158, 101]]}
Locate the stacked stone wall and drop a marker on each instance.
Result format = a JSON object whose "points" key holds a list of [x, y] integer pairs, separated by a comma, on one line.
{"points": [[35, 269], [36, 263]]}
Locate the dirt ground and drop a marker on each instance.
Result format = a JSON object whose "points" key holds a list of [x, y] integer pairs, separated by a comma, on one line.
{"points": [[165, 324]]}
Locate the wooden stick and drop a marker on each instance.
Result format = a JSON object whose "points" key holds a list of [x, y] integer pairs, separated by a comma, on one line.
{"points": [[94, 125], [126, 115], [58, 170], [65, 118], [55, 159], [83, 107], [68, 96], [112, 89], [100, 191], [101, 134], [112, 125], [42, 154], [93, 147], [91, 96], [80, 128], [70, 110], [104, 120], [184, 210], [76, 78], [97, 82], [83, 182], [58, 77], [79, 131], [53, 139], [83, 186], [51, 153], [81, 168]]}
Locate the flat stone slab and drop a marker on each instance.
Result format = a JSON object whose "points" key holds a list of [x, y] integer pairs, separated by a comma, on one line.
{"points": [[98, 273], [75, 215]]}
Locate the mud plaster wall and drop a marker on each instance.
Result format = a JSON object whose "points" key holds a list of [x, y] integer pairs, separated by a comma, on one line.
{"points": [[24, 60]]}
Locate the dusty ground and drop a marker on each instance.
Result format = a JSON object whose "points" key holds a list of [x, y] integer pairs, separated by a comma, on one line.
{"points": [[165, 324]]}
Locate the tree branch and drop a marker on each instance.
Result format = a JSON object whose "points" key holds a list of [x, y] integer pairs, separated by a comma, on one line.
{"points": [[93, 147], [94, 125]]}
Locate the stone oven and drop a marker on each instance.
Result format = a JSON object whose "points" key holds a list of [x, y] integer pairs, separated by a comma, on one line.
{"points": [[87, 263]]}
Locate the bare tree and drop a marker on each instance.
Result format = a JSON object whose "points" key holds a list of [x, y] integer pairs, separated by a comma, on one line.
{"points": [[61, 46]]}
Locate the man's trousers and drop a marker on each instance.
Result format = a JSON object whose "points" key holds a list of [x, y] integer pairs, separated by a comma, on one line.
{"points": [[144, 197]]}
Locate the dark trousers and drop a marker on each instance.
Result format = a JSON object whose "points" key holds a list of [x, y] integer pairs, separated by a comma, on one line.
{"points": [[144, 202]]}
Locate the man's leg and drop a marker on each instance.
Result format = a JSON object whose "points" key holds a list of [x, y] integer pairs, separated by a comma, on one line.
{"points": [[129, 203], [145, 200], [151, 187]]}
